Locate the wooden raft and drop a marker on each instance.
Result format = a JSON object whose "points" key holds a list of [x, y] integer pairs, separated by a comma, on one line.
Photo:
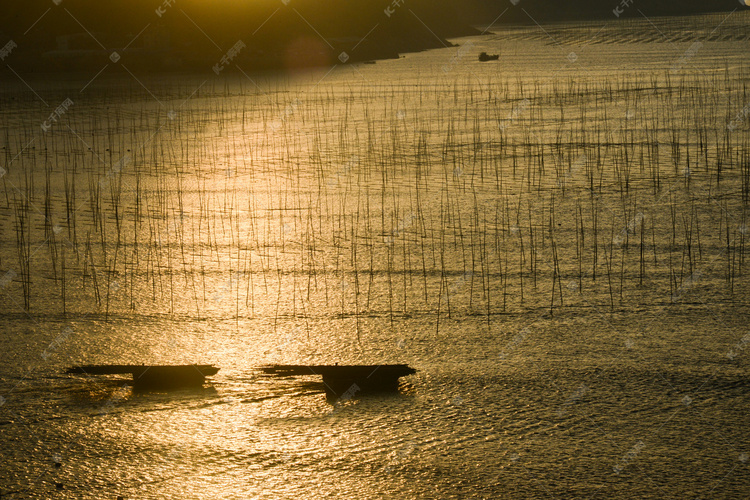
{"points": [[153, 376], [341, 380]]}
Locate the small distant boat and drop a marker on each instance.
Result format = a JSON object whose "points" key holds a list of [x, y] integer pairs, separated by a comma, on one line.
{"points": [[343, 380], [163, 377], [484, 56]]}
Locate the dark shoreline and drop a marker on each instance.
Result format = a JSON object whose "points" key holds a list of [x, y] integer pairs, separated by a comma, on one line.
{"points": [[285, 52]]}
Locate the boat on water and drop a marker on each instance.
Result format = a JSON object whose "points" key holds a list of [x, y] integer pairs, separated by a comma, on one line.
{"points": [[162, 377], [484, 56], [345, 381]]}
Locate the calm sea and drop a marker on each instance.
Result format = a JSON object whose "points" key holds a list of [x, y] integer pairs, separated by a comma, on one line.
{"points": [[554, 240]]}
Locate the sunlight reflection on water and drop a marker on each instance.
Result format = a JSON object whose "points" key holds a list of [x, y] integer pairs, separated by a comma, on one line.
{"points": [[330, 238]]}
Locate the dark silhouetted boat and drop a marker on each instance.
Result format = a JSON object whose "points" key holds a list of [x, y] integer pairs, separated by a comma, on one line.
{"points": [[347, 380], [154, 376], [484, 56]]}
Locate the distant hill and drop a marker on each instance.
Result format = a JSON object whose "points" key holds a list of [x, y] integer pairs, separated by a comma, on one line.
{"points": [[71, 35], [221, 35]]}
